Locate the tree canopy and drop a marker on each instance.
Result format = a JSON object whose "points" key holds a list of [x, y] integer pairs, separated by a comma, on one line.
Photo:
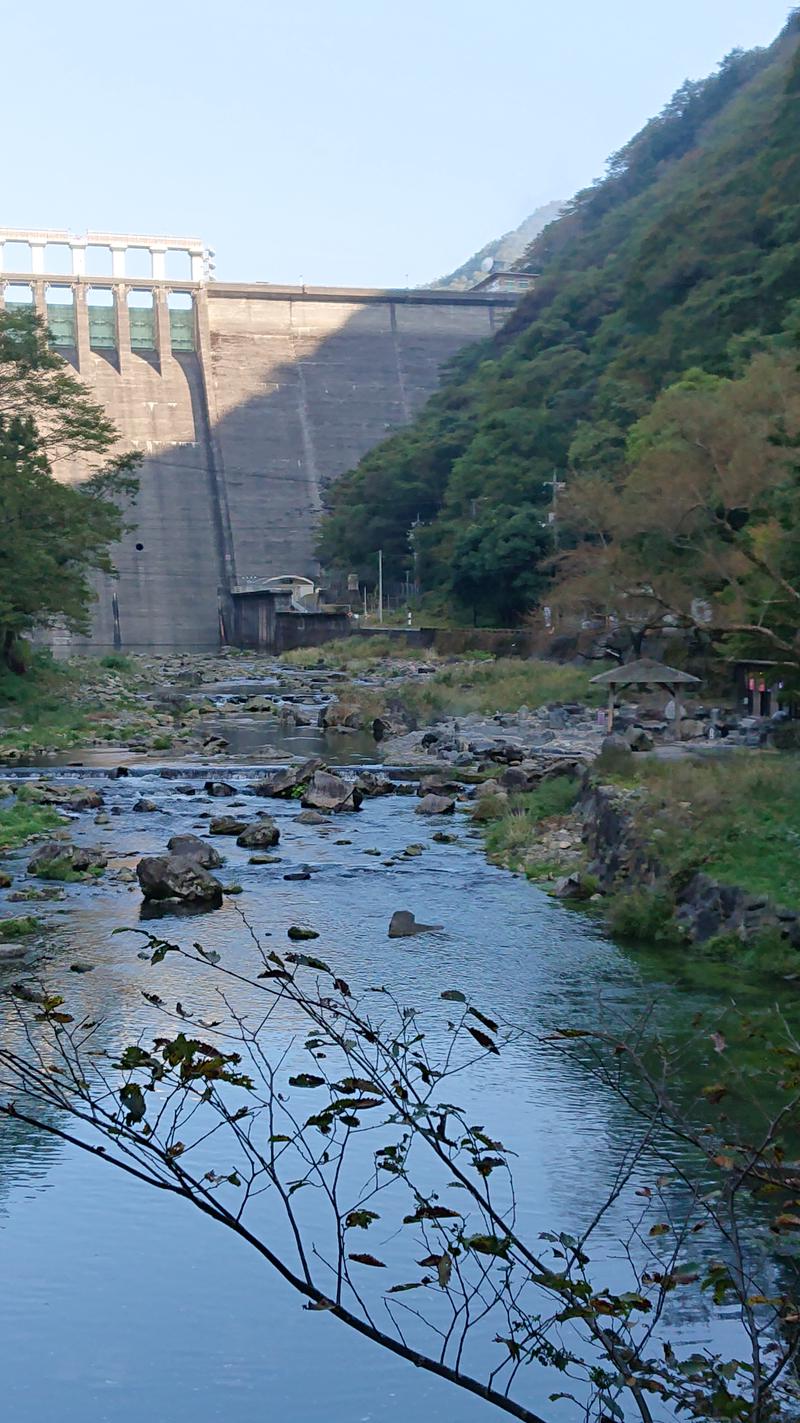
{"points": [[53, 534], [687, 254], [699, 530]]}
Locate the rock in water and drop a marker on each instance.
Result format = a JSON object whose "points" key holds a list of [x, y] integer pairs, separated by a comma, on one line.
{"points": [[260, 836], [403, 925], [191, 847], [286, 781], [311, 817], [371, 785], [57, 859], [83, 798], [328, 792], [436, 805], [177, 877], [219, 788], [227, 825], [341, 714], [143, 804]]}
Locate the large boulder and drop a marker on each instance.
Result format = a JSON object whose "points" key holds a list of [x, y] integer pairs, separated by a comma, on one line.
{"points": [[435, 805], [219, 788], [341, 714], [191, 847], [177, 877], [638, 739], [371, 785], [284, 783], [83, 798], [328, 792], [403, 925], [75, 798], [261, 835], [57, 859], [614, 743], [438, 785], [227, 825]]}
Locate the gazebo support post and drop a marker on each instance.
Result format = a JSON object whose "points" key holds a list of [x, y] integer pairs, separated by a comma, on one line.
{"points": [[676, 697], [610, 712]]}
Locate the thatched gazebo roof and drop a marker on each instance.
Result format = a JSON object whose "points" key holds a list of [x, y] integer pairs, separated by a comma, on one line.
{"points": [[646, 672]]}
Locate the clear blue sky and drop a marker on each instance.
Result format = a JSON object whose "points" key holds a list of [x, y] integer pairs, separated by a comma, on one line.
{"points": [[350, 142]]}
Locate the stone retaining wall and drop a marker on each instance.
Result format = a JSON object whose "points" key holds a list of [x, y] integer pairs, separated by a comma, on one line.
{"points": [[704, 909]]}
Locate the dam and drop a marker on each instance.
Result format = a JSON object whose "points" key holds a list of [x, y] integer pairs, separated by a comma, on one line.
{"points": [[246, 401]]}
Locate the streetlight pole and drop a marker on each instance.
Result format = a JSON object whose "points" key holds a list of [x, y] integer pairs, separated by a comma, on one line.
{"points": [[380, 585]]}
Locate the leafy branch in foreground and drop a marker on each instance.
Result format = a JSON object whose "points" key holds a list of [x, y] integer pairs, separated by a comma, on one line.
{"points": [[318, 1126]]}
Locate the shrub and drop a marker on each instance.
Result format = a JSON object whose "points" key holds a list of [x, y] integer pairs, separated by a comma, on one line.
{"points": [[116, 662], [645, 916]]}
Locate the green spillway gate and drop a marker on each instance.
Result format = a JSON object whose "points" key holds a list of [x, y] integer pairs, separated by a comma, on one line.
{"points": [[61, 322], [181, 329], [143, 328], [102, 327]]}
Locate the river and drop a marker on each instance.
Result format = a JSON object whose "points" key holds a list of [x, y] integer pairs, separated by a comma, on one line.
{"points": [[119, 1306]]}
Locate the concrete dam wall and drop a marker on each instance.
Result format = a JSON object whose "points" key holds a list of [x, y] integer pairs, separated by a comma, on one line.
{"points": [[245, 401]]}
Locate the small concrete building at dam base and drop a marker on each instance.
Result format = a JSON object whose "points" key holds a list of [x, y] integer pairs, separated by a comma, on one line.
{"points": [[246, 401]]}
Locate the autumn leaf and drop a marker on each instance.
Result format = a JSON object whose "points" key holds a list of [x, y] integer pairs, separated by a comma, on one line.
{"points": [[368, 1260], [307, 961], [487, 1022], [488, 1245], [484, 1040], [430, 1213], [360, 1219], [715, 1092]]}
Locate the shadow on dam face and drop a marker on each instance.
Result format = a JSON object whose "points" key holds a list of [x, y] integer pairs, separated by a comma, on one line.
{"points": [[281, 398]]}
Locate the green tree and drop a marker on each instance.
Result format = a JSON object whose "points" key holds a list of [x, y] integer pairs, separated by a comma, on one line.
{"points": [[686, 254], [495, 563], [700, 531], [54, 532]]}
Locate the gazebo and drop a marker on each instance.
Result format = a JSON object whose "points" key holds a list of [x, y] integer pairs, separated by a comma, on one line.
{"points": [[645, 673]]}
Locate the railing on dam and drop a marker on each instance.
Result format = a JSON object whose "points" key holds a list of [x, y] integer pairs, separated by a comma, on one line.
{"points": [[114, 294], [112, 254]]}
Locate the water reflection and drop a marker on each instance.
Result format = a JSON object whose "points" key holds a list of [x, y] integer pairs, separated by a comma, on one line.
{"points": [[119, 1305]]}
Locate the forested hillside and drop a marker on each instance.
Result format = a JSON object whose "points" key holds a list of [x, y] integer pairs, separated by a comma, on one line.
{"points": [[686, 255], [507, 249]]}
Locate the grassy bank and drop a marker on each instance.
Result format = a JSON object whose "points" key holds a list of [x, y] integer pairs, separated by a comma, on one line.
{"points": [[18, 822], [53, 706], [515, 837], [40, 708], [735, 817], [479, 684], [356, 652], [503, 684]]}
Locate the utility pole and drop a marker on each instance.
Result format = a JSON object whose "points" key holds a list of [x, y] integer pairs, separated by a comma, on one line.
{"points": [[380, 585], [557, 485], [412, 539]]}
